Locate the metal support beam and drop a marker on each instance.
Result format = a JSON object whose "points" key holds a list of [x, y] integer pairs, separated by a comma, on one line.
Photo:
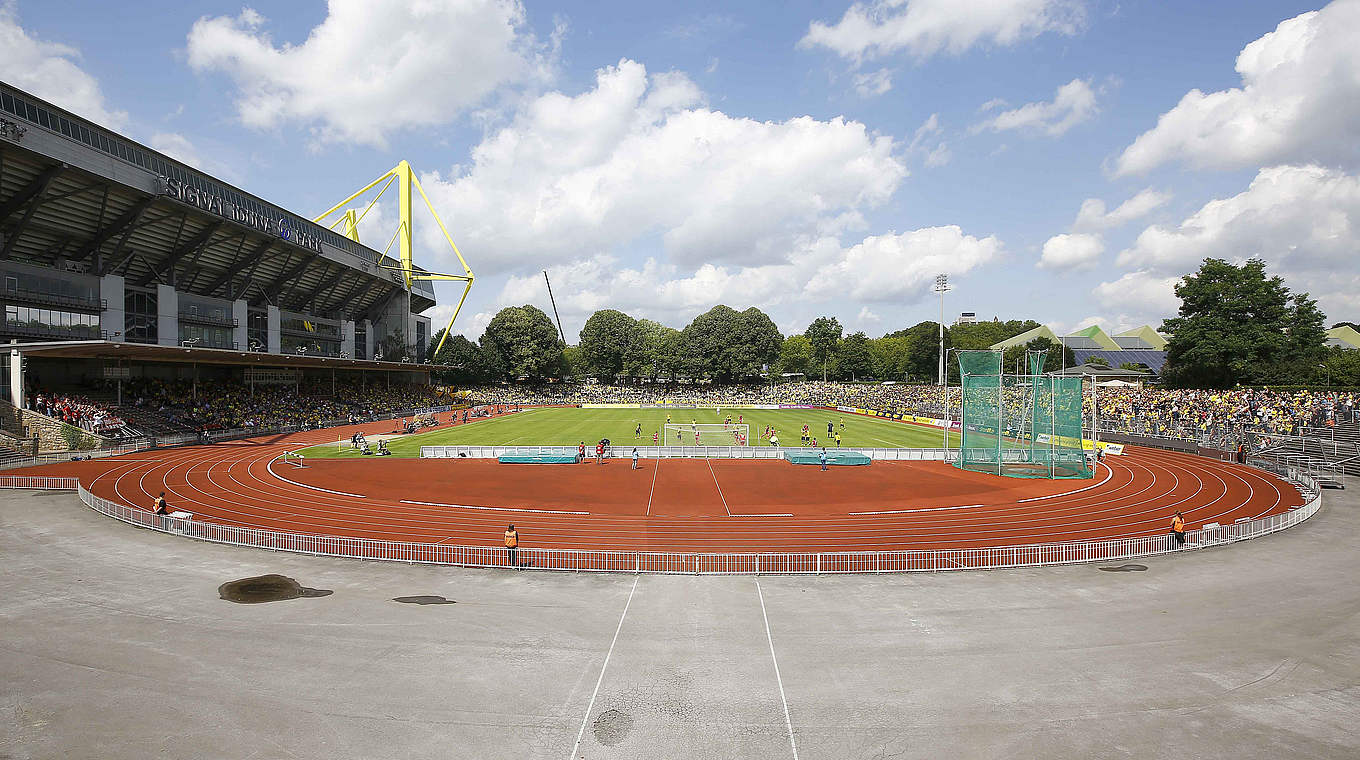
{"points": [[34, 188], [193, 245], [325, 283], [123, 222], [286, 279], [251, 260]]}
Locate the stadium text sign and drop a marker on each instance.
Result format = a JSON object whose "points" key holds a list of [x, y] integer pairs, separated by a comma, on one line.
{"points": [[282, 226]]}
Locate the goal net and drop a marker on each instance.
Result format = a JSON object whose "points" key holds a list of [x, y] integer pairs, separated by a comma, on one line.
{"points": [[705, 434]]}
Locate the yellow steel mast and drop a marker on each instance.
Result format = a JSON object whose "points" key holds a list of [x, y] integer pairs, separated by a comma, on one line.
{"points": [[405, 179]]}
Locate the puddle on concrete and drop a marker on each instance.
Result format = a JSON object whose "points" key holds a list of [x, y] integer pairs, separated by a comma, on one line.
{"points": [[423, 600], [1125, 569], [612, 726], [267, 588]]}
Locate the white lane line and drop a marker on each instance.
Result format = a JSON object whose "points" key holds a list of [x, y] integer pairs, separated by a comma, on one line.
{"points": [[922, 509], [270, 467], [765, 514], [1108, 474], [715, 485], [591, 707], [494, 509], [655, 468], [788, 722]]}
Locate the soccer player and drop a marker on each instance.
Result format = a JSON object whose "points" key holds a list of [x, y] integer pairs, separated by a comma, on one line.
{"points": [[635, 458], [838, 440], [740, 420], [599, 453], [581, 452], [655, 437], [637, 432], [829, 428], [696, 438]]}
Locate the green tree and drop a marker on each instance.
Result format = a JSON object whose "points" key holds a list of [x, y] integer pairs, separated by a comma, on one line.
{"points": [[853, 360], [1015, 356], [795, 355], [923, 353], [521, 341], [891, 354], [755, 344], [1098, 360], [1306, 341], [573, 361], [823, 335], [1233, 327], [609, 340], [465, 362]]}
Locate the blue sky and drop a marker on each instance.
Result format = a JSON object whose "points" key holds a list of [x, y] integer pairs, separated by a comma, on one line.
{"points": [[1062, 160]]}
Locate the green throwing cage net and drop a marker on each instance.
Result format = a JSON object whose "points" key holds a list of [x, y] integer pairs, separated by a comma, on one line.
{"points": [[1019, 426]]}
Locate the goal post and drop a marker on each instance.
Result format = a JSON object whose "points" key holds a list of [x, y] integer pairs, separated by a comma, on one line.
{"points": [[705, 434]]}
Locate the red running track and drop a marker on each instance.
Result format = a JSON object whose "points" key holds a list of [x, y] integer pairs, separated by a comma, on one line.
{"points": [[677, 505]]}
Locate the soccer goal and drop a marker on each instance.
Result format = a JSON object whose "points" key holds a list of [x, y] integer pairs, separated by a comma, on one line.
{"points": [[705, 434]]}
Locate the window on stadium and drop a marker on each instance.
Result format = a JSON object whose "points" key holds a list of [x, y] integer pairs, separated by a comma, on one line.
{"points": [[50, 323]]}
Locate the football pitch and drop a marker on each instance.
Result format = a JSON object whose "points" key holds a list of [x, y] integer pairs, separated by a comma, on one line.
{"points": [[569, 427]]}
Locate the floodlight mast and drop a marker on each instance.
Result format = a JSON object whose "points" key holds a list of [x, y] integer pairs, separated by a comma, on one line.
{"points": [[942, 287], [406, 180]]}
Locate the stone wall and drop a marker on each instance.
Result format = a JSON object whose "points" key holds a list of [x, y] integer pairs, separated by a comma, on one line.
{"points": [[53, 435]]}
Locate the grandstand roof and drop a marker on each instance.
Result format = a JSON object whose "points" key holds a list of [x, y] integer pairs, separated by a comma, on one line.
{"points": [[1153, 360], [1096, 370], [1344, 336], [1092, 338], [112, 350], [78, 197]]}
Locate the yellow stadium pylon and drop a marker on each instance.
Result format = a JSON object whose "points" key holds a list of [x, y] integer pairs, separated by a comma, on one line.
{"points": [[405, 179]]}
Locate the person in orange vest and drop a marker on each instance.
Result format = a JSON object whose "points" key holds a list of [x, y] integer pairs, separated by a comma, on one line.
{"points": [[512, 544], [1178, 529]]}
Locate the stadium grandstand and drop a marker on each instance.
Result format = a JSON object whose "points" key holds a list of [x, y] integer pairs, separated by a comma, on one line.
{"points": [[127, 271], [1141, 346]]}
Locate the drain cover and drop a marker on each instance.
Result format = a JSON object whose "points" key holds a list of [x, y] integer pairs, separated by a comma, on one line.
{"points": [[267, 588], [1125, 569], [423, 600]]}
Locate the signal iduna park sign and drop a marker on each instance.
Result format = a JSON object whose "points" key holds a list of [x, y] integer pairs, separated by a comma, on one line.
{"points": [[279, 225]]}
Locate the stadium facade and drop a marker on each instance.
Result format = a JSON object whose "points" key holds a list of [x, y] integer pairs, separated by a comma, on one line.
{"points": [[113, 254]]}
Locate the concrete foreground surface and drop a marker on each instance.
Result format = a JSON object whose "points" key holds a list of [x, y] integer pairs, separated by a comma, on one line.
{"points": [[114, 643]]}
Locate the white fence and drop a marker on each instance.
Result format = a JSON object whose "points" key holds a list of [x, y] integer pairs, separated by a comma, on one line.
{"points": [[38, 483], [929, 560], [620, 451]]}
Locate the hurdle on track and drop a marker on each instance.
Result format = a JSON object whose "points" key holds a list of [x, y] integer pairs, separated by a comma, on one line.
{"points": [[294, 458]]}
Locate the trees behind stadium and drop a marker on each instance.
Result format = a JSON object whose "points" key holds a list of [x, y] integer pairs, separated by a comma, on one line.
{"points": [[1239, 325], [1236, 325]]}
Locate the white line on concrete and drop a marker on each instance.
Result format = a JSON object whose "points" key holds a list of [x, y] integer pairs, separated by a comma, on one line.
{"points": [[715, 485], [922, 509], [590, 707], [495, 509], [788, 722], [270, 467], [655, 468]]}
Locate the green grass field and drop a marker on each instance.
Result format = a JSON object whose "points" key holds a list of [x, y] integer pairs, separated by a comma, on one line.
{"points": [[568, 427]]}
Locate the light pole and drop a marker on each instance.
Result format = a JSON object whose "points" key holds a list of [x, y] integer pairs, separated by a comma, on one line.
{"points": [[941, 287], [1329, 376]]}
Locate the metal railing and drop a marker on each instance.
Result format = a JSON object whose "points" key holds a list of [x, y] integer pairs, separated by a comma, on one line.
{"points": [[704, 563], [38, 483], [621, 451]]}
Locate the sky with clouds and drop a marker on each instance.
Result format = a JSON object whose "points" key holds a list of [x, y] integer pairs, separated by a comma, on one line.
{"points": [[1060, 160]]}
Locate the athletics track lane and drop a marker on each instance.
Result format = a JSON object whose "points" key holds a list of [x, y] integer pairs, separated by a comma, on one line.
{"points": [[232, 483]]}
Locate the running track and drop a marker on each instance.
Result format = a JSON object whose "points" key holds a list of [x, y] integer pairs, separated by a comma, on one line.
{"points": [[677, 505]]}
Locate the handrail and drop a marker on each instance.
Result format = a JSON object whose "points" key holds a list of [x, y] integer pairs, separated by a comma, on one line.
{"points": [[703, 563]]}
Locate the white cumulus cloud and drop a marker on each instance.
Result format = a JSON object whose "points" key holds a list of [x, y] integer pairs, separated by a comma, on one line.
{"points": [[896, 267], [1139, 297], [1093, 217], [640, 159], [1299, 103], [1073, 103], [1303, 221], [928, 27], [873, 83], [51, 71], [1072, 251], [371, 68]]}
